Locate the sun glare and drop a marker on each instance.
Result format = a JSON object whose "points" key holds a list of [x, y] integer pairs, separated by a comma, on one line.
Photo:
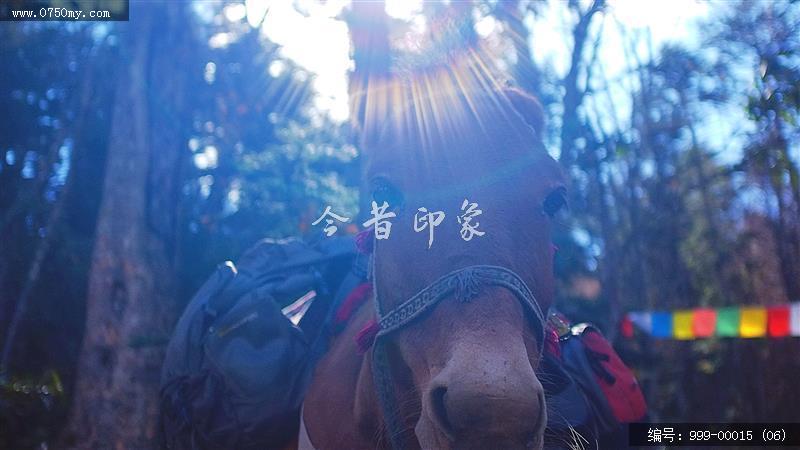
{"points": [[403, 9], [318, 39]]}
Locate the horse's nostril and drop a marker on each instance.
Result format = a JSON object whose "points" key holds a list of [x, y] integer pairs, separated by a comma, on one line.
{"points": [[439, 408]]}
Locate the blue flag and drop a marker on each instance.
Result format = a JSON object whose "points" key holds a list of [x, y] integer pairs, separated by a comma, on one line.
{"points": [[662, 324]]}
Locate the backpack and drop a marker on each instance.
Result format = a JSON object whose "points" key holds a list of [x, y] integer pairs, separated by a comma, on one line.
{"points": [[579, 358], [237, 368]]}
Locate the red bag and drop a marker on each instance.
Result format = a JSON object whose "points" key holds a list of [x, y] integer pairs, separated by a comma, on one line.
{"points": [[608, 383]]}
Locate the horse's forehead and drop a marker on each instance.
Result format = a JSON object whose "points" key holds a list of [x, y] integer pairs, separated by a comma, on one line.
{"points": [[434, 132], [471, 154]]}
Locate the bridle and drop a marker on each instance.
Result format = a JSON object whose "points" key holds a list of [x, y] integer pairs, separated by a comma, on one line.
{"points": [[464, 284]]}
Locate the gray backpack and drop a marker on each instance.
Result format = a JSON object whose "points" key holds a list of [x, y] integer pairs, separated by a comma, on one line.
{"points": [[236, 367]]}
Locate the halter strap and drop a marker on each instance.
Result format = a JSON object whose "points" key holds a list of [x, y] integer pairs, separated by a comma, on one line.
{"points": [[465, 284]]}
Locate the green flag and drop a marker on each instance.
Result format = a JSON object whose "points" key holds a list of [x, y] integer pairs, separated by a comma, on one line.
{"points": [[728, 322]]}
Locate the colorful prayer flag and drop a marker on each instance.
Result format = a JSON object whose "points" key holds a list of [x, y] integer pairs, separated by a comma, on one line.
{"points": [[704, 322], [682, 325], [728, 322], [778, 321], [794, 319], [753, 322], [746, 322], [662, 324], [643, 320]]}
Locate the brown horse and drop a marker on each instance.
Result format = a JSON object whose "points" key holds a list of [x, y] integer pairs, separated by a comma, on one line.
{"points": [[463, 372]]}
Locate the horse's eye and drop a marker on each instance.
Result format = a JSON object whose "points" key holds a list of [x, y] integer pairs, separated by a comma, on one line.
{"points": [[555, 201], [384, 191]]}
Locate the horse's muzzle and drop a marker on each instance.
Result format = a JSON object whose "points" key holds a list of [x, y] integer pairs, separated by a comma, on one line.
{"points": [[486, 401]]}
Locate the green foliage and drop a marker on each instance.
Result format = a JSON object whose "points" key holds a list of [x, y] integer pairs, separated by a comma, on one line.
{"points": [[27, 406], [259, 162]]}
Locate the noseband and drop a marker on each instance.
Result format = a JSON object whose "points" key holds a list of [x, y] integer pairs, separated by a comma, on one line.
{"points": [[465, 284]]}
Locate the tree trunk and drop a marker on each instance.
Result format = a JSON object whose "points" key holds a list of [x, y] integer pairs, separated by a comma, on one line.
{"points": [[525, 72], [369, 34], [130, 307], [573, 94]]}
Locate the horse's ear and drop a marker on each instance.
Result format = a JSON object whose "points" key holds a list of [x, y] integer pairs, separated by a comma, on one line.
{"points": [[528, 107]]}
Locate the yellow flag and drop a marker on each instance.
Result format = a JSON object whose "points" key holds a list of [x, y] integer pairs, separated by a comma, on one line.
{"points": [[682, 325], [753, 322]]}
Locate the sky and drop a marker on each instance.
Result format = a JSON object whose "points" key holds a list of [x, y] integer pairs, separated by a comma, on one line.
{"points": [[318, 40]]}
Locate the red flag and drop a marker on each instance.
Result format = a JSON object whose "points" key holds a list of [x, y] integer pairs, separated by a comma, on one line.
{"points": [[778, 321], [626, 326], [704, 322]]}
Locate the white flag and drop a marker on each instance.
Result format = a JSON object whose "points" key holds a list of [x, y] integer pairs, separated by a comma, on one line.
{"points": [[643, 320], [794, 319]]}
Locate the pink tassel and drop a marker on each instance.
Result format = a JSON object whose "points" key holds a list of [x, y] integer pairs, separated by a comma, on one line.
{"points": [[354, 299], [551, 343], [365, 241]]}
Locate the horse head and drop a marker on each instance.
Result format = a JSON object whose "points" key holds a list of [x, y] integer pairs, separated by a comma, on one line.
{"points": [[439, 147]]}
